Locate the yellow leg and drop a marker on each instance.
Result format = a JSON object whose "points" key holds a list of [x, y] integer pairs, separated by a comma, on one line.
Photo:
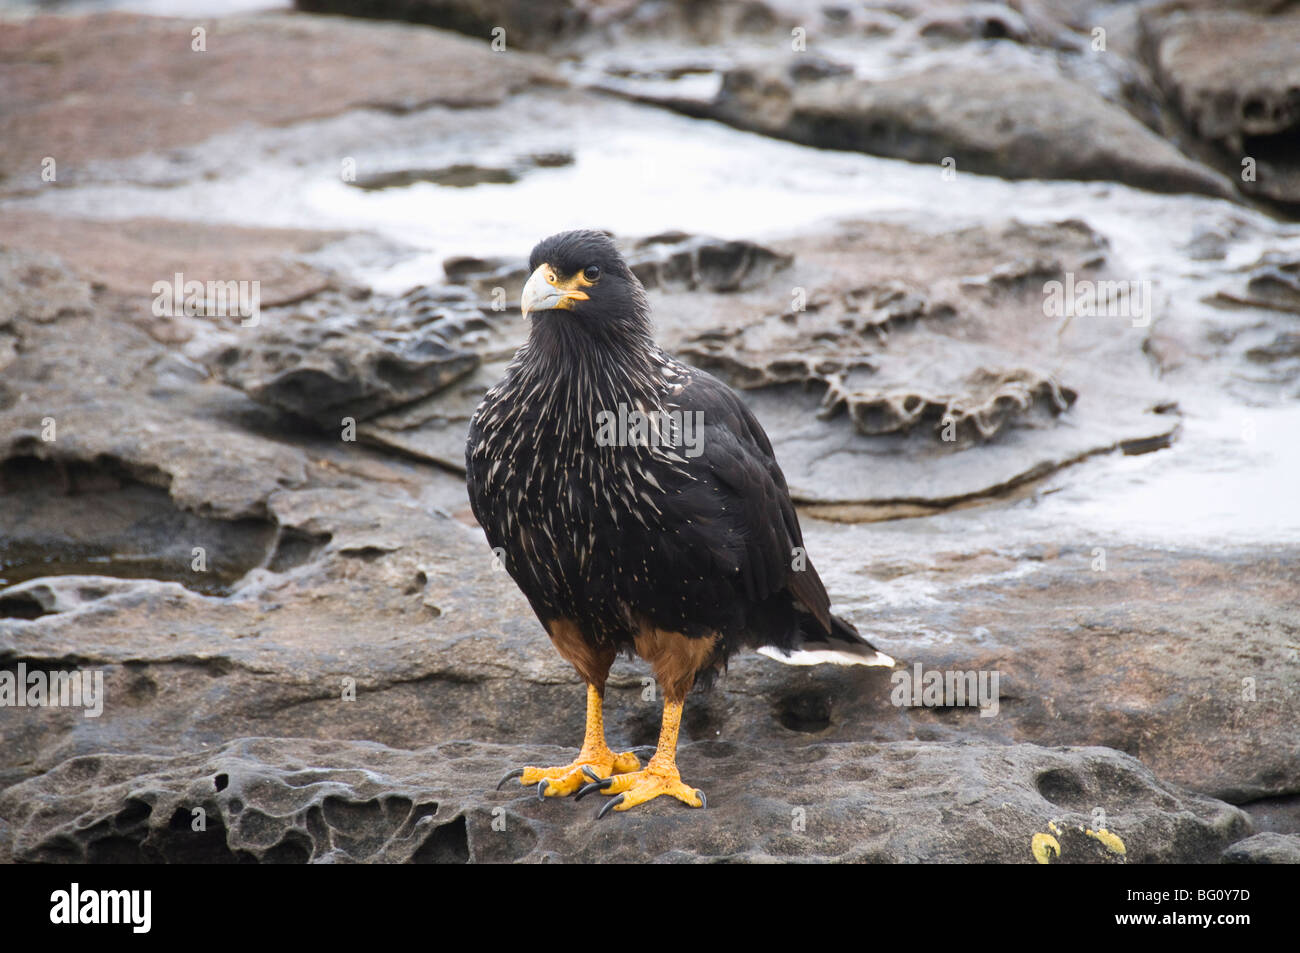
{"points": [[659, 777], [594, 760]]}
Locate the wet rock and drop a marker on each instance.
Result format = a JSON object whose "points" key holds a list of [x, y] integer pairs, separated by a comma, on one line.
{"points": [[50, 594], [988, 403], [1209, 243], [1234, 77], [459, 269], [57, 525], [52, 111], [207, 469], [335, 358], [884, 352], [1285, 345], [138, 260], [328, 374], [1155, 632], [578, 26], [1012, 124], [403, 604], [528, 24], [369, 579], [870, 354], [295, 801], [485, 276], [462, 175], [1273, 284], [370, 582], [975, 21], [694, 263]]}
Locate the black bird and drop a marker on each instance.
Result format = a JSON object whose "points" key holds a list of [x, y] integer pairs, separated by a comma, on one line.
{"points": [[637, 503]]}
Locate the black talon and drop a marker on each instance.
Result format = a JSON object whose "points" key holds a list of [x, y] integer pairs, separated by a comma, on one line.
{"points": [[541, 790], [640, 752], [597, 785], [704, 801], [586, 769], [610, 805], [516, 773]]}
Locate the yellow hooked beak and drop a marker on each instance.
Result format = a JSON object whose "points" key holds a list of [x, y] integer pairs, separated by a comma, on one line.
{"points": [[545, 290]]}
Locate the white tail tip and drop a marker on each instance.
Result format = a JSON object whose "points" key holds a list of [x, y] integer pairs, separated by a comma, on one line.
{"points": [[826, 656]]}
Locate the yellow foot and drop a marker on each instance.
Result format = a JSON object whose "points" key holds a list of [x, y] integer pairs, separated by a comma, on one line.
{"points": [[638, 787], [564, 780]]}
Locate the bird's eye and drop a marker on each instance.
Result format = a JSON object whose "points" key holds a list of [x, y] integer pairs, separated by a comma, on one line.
{"points": [[591, 272]]}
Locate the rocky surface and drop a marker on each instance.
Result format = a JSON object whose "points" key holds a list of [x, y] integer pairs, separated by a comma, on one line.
{"points": [[1019, 125], [167, 94], [351, 362], [845, 339], [298, 624], [1265, 849], [927, 345], [524, 24], [1234, 77], [288, 801]]}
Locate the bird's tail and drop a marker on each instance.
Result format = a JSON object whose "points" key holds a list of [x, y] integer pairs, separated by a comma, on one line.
{"points": [[843, 646]]}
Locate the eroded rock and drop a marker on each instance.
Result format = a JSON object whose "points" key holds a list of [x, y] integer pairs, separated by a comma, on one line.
{"points": [[97, 516], [1234, 76], [909, 347], [435, 428], [1273, 283], [350, 367], [701, 263], [284, 801]]}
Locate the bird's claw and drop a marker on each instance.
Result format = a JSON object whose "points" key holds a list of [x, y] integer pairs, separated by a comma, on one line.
{"points": [[516, 773], [637, 787], [598, 784], [566, 779]]}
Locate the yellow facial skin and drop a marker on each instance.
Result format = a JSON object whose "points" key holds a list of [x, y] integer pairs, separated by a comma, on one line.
{"points": [[546, 290]]}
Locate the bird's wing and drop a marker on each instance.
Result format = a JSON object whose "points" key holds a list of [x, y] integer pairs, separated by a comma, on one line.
{"points": [[740, 491]]}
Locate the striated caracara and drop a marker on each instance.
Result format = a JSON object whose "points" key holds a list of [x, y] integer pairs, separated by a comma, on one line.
{"points": [[637, 503]]}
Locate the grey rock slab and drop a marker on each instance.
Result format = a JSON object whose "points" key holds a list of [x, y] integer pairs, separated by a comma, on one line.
{"points": [[152, 93], [276, 800], [1266, 848], [933, 367], [1014, 124]]}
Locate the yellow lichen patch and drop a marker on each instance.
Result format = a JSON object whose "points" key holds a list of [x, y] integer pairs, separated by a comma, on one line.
{"points": [[1108, 840], [1051, 826], [1044, 846]]}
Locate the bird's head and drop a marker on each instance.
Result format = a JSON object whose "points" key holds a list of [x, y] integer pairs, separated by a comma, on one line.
{"points": [[580, 279]]}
